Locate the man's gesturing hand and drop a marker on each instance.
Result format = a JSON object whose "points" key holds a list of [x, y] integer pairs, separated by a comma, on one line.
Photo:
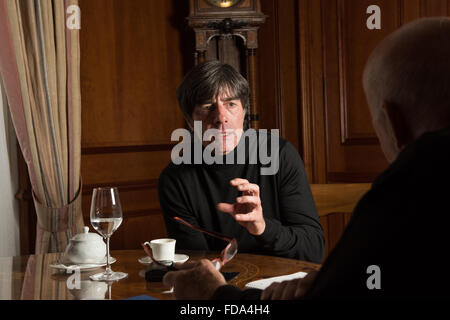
{"points": [[247, 210], [196, 280]]}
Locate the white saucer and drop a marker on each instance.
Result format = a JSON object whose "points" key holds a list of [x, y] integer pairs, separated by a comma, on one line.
{"points": [[178, 258], [65, 265]]}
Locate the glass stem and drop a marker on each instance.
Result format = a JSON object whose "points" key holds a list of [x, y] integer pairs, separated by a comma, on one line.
{"points": [[108, 270]]}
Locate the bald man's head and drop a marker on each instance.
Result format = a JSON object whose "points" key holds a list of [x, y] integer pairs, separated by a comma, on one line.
{"points": [[407, 83]]}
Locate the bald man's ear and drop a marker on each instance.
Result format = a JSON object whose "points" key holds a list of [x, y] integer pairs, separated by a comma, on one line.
{"points": [[399, 124]]}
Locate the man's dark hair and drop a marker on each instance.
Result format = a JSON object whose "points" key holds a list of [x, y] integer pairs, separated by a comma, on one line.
{"points": [[206, 80]]}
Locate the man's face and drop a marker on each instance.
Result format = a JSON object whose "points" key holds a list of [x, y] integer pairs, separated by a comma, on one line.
{"points": [[225, 113]]}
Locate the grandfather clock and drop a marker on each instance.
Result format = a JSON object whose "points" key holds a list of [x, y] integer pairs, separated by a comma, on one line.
{"points": [[227, 30]]}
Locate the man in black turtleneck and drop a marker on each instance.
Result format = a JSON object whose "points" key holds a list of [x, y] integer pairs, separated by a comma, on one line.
{"points": [[396, 241], [267, 207]]}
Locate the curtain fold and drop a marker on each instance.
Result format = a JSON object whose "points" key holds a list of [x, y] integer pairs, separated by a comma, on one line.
{"points": [[40, 66]]}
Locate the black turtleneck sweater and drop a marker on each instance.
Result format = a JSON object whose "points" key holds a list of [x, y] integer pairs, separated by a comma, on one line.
{"points": [[192, 191]]}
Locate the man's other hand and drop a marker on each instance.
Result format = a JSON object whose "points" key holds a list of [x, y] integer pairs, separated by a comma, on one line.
{"points": [[289, 290], [196, 280]]}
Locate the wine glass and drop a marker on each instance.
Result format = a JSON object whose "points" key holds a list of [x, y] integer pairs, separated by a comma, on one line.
{"points": [[106, 217]]}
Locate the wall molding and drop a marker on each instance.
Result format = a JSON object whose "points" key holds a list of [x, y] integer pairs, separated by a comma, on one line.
{"points": [[355, 177], [127, 149], [123, 186]]}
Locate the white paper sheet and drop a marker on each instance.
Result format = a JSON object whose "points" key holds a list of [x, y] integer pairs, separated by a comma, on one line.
{"points": [[264, 283]]}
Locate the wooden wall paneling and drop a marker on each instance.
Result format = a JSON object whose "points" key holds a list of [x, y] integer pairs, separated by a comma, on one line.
{"points": [[269, 60], [333, 226], [334, 45], [136, 197], [133, 56], [278, 69], [136, 230], [432, 8], [335, 204], [347, 45], [312, 124], [410, 10], [288, 70], [132, 52], [122, 167], [352, 57]]}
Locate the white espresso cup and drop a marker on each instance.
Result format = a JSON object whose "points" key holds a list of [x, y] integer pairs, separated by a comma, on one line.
{"points": [[163, 249]]}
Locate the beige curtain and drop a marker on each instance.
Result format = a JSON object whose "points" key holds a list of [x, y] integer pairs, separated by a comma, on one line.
{"points": [[40, 64], [9, 183]]}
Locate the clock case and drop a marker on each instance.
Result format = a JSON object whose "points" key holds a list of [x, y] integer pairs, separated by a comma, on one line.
{"points": [[242, 19]]}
